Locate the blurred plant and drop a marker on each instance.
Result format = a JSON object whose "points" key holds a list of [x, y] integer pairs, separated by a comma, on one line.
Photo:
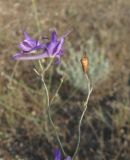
{"points": [[99, 67]]}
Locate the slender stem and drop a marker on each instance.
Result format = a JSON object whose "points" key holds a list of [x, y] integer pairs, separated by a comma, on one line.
{"points": [[88, 82], [49, 114], [82, 116], [50, 102], [40, 65], [56, 91], [35, 70], [48, 66]]}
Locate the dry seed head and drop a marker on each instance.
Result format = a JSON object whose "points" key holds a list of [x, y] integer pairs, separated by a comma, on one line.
{"points": [[85, 64]]}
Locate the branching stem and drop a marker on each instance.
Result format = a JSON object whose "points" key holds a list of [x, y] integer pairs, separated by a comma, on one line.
{"points": [[49, 102]]}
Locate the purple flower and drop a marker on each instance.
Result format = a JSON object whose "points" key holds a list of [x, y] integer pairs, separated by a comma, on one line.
{"points": [[57, 155], [53, 48], [26, 47]]}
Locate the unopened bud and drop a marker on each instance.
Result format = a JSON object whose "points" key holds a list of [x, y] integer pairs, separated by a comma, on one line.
{"points": [[84, 62]]}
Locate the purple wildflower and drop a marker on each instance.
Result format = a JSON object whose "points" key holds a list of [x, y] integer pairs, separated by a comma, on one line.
{"points": [[57, 155], [53, 48], [27, 46]]}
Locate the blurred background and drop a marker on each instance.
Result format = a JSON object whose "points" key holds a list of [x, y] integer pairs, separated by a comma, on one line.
{"points": [[101, 28]]}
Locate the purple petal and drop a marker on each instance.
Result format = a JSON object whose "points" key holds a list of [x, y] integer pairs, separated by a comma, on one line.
{"points": [[24, 46], [68, 158], [50, 46], [41, 46], [27, 49], [59, 47], [57, 154], [53, 36], [29, 41], [37, 43], [27, 36], [28, 57]]}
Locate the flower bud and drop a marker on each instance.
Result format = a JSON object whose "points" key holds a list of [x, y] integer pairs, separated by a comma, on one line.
{"points": [[84, 62]]}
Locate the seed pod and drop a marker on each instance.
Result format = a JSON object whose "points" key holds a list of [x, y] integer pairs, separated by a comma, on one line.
{"points": [[85, 64]]}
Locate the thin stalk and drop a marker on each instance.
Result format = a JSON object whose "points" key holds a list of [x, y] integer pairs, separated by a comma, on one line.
{"points": [[56, 91], [82, 116], [49, 114], [50, 102], [48, 66]]}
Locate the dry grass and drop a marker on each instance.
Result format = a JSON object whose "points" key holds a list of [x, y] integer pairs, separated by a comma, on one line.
{"points": [[105, 132]]}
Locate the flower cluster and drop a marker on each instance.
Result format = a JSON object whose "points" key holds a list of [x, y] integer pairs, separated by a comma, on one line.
{"points": [[57, 155], [52, 48]]}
